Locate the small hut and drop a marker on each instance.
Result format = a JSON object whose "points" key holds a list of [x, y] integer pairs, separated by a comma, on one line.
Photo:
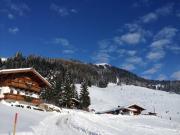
{"points": [[130, 110], [137, 109]]}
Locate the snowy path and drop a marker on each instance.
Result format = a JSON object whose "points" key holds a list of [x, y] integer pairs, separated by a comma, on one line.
{"points": [[83, 123]]}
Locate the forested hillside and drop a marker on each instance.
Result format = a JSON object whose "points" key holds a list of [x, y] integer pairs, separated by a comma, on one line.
{"points": [[100, 75]]}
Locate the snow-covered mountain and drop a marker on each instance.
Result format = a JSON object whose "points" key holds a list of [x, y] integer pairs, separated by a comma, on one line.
{"points": [[76, 122], [3, 59]]}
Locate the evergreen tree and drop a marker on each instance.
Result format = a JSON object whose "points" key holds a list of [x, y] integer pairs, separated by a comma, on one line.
{"points": [[74, 91], [67, 90], [57, 93], [1, 63], [84, 95]]}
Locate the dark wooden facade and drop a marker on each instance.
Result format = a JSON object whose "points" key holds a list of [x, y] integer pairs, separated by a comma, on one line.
{"points": [[27, 79]]}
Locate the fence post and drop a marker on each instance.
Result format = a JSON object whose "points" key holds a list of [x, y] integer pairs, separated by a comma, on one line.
{"points": [[15, 122]]}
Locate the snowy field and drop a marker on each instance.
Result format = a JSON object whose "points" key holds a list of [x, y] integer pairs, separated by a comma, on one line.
{"points": [[74, 122]]}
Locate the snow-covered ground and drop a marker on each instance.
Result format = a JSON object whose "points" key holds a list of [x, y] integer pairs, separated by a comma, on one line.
{"points": [[75, 122], [165, 104]]}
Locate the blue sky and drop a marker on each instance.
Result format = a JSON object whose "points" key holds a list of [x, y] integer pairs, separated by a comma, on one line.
{"points": [[141, 36]]}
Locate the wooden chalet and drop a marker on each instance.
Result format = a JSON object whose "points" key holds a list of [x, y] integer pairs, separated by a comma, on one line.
{"points": [[137, 109], [130, 110], [23, 85]]}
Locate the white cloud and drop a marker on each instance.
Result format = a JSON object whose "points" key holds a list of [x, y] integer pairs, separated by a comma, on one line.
{"points": [[20, 9], [13, 30], [128, 67], [165, 10], [156, 55], [74, 11], [62, 11], [134, 60], [131, 52], [61, 41], [153, 16], [149, 17], [102, 57], [160, 44], [132, 34], [175, 48], [162, 77], [106, 49], [130, 38], [13, 9], [153, 69], [176, 75], [68, 51], [11, 16], [166, 33]]}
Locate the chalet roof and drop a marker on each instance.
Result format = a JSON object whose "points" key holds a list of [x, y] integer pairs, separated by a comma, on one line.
{"points": [[133, 107], [136, 106], [25, 70]]}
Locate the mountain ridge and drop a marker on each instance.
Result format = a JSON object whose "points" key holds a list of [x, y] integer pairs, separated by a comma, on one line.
{"points": [[99, 75]]}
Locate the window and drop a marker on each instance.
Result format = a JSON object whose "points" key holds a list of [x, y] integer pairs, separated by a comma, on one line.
{"points": [[18, 92], [11, 91]]}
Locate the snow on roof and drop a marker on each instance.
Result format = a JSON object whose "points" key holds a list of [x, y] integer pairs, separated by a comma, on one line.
{"points": [[102, 64], [75, 99], [3, 59], [137, 106], [113, 109], [19, 70], [122, 108]]}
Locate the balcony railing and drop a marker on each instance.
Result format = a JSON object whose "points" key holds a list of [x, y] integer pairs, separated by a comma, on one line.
{"points": [[23, 86], [18, 97]]}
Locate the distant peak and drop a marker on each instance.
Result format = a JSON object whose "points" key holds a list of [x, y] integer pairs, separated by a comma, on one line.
{"points": [[103, 64]]}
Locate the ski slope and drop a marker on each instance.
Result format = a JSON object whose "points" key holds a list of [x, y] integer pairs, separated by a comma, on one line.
{"points": [[165, 104], [76, 122]]}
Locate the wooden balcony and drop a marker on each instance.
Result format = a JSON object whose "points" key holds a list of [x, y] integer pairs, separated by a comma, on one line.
{"points": [[22, 86], [17, 97]]}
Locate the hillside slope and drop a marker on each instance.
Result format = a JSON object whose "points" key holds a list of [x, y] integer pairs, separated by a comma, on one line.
{"points": [[164, 103], [72, 122]]}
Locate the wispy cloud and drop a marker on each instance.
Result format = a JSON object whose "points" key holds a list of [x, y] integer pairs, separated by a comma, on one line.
{"points": [[13, 9], [11, 16], [69, 51], [156, 55], [129, 38], [133, 34], [134, 60], [64, 45], [103, 55], [162, 77], [61, 41], [162, 41], [129, 67], [150, 17], [166, 33], [152, 70], [62, 11], [155, 15], [160, 44], [13, 30], [176, 75]]}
